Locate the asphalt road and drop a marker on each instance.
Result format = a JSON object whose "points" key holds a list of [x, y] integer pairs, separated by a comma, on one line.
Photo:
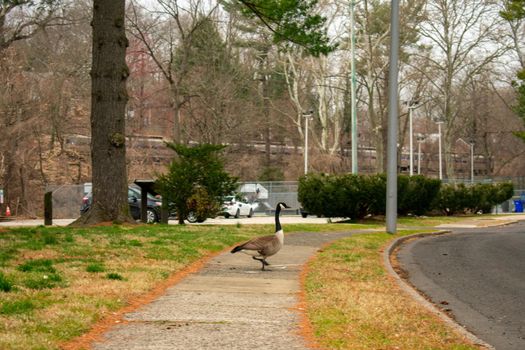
{"points": [[478, 277]]}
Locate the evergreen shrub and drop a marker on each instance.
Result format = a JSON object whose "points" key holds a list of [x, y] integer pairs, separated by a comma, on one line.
{"points": [[356, 196]]}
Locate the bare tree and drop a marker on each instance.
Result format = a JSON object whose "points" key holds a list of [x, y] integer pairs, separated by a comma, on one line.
{"points": [[466, 37], [167, 37], [22, 19]]}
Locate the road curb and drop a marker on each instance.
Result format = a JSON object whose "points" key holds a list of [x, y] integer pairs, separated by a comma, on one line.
{"points": [[412, 292]]}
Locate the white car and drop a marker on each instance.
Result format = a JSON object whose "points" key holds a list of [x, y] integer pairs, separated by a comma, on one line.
{"points": [[236, 208]]}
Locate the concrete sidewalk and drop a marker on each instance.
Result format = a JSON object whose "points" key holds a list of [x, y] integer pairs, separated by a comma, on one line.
{"points": [[229, 304]]}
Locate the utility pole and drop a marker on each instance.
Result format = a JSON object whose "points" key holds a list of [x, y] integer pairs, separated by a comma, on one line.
{"points": [[353, 91], [391, 178]]}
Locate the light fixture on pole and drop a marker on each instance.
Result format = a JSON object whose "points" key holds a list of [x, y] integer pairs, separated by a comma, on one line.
{"points": [[307, 116]]}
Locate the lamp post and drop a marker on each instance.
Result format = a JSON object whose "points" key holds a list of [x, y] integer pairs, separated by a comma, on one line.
{"points": [[471, 146], [439, 147], [391, 177], [413, 104], [420, 138], [307, 116], [353, 91]]}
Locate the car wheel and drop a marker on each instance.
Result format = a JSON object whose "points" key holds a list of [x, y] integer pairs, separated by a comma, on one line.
{"points": [[304, 215], [226, 215], [251, 213], [192, 217], [151, 216], [237, 214]]}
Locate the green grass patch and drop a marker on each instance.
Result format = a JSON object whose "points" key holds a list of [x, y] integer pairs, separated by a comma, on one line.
{"points": [[96, 267], [43, 281], [17, 307], [5, 284], [114, 276], [37, 265]]}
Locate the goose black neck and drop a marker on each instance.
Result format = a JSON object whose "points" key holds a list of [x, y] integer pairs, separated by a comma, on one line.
{"points": [[277, 222]]}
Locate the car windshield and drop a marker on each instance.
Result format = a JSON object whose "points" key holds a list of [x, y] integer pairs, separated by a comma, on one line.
{"points": [[132, 191], [228, 199]]}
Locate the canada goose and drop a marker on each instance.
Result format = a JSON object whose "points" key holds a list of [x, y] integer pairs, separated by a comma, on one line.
{"points": [[262, 247]]}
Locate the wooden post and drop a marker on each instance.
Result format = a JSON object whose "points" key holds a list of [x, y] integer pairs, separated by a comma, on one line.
{"points": [[143, 205], [48, 208], [164, 212]]}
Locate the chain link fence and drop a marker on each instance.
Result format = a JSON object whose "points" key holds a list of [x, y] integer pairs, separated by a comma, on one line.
{"points": [[264, 195], [67, 200]]}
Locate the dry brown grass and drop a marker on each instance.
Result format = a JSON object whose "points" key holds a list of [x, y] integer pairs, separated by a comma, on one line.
{"points": [[353, 304]]}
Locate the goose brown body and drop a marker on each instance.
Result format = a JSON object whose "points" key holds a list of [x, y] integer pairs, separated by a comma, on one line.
{"points": [[265, 246]]}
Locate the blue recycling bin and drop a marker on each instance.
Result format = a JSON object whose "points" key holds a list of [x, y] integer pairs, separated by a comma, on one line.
{"points": [[518, 206]]}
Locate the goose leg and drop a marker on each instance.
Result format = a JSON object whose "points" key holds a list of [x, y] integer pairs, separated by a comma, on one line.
{"points": [[263, 262]]}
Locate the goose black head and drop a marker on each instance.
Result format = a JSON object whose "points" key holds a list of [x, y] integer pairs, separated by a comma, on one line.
{"points": [[282, 205]]}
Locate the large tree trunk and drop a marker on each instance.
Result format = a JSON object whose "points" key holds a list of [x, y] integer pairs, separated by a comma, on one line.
{"points": [[108, 102]]}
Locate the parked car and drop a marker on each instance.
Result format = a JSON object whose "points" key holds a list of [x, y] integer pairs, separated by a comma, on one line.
{"points": [[152, 211], [233, 207]]}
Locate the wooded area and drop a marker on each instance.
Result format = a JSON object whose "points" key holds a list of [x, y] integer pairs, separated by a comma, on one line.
{"points": [[202, 72]]}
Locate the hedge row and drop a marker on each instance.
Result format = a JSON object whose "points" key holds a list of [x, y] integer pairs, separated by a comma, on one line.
{"points": [[356, 196], [460, 198]]}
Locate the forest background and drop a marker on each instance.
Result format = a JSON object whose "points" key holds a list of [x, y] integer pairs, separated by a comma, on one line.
{"points": [[202, 72]]}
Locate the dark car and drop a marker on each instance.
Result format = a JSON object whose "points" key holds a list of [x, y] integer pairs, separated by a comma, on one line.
{"points": [[153, 208]]}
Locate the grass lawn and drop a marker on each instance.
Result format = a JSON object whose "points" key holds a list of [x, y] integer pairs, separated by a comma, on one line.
{"points": [[56, 282], [352, 303]]}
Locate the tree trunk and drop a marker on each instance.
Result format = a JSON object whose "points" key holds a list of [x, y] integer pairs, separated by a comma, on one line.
{"points": [[108, 102]]}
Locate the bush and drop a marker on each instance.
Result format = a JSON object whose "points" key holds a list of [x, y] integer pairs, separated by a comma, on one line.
{"points": [[195, 173], [203, 205], [416, 194], [460, 198], [356, 196]]}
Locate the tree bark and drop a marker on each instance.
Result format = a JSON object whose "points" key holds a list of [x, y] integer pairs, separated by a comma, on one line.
{"points": [[108, 102]]}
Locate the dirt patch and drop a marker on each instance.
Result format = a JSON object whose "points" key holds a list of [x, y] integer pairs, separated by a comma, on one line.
{"points": [[306, 330]]}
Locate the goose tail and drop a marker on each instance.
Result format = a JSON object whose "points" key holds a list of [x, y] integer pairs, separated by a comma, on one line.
{"points": [[236, 249]]}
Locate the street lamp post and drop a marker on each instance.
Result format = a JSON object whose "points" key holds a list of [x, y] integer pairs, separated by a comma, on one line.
{"points": [[391, 177], [307, 116], [411, 106], [472, 162], [420, 138], [353, 91], [439, 147]]}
